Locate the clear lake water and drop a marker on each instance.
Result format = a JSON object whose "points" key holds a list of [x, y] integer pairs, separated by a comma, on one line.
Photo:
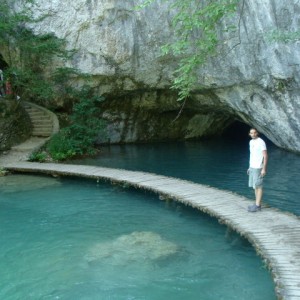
{"points": [[220, 163], [67, 238], [64, 238]]}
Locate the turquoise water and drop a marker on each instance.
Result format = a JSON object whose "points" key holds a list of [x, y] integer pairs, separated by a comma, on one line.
{"points": [[221, 163], [75, 239]]}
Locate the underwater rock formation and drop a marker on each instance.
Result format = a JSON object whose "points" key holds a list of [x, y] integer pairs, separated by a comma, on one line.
{"points": [[21, 183], [135, 247]]}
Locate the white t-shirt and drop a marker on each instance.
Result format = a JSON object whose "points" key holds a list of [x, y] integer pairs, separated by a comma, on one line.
{"points": [[257, 146]]}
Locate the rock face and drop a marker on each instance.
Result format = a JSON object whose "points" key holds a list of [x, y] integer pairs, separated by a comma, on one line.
{"points": [[253, 79]]}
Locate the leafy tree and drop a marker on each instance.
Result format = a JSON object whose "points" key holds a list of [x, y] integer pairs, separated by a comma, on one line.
{"points": [[36, 74], [78, 137], [29, 55], [195, 26], [11, 24]]}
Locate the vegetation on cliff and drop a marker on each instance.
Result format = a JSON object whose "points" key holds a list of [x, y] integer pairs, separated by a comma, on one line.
{"points": [[196, 29], [77, 139], [28, 55], [36, 69]]}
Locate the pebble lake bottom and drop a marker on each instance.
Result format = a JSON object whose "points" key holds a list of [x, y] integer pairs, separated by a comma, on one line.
{"points": [[67, 238], [220, 163]]}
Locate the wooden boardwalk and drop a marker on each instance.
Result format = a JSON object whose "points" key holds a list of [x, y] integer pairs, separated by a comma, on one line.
{"points": [[274, 234]]}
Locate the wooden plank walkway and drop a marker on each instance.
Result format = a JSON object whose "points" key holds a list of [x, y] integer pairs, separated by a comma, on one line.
{"points": [[274, 234]]}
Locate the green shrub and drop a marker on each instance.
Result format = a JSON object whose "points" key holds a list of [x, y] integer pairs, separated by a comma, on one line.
{"points": [[79, 137], [3, 172], [28, 55], [59, 147], [38, 156], [35, 75]]}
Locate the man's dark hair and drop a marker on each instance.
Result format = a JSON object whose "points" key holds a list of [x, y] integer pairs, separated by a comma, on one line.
{"points": [[253, 128]]}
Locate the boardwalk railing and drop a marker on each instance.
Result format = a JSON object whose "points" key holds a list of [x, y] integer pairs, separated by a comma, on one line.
{"points": [[274, 234]]}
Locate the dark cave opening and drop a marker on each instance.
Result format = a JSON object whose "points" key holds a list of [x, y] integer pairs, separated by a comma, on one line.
{"points": [[239, 132], [3, 64]]}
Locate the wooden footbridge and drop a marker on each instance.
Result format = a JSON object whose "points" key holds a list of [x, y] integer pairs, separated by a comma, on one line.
{"points": [[274, 234]]}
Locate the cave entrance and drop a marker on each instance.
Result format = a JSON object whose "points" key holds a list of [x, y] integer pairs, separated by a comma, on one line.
{"points": [[3, 64], [237, 131]]}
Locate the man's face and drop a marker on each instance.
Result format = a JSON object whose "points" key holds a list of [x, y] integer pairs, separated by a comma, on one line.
{"points": [[253, 134]]}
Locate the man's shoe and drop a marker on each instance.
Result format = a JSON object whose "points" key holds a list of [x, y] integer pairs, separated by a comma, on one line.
{"points": [[254, 208]]}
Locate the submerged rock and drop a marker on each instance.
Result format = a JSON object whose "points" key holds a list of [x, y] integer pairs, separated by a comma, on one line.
{"points": [[21, 183], [132, 248]]}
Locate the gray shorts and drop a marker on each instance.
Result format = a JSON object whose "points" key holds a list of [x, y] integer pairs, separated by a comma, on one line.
{"points": [[255, 178]]}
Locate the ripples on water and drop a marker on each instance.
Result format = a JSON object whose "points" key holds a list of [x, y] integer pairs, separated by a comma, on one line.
{"points": [[76, 239], [219, 163]]}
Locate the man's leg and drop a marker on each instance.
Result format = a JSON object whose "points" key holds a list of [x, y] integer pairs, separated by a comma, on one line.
{"points": [[258, 196], [256, 181]]}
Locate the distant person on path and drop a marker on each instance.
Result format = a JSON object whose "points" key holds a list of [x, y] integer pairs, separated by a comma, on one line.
{"points": [[2, 93], [257, 167], [8, 88]]}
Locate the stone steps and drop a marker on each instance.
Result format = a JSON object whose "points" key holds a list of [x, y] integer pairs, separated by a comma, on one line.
{"points": [[28, 146], [42, 121], [45, 124]]}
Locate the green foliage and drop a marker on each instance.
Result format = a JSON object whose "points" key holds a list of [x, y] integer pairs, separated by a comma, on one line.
{"points": [[60, 146], [37, 51], [3, 172], [30, 85], [144, 4], [78, 138], [284, 37], [34, 77], [29, 55], [196, 37], [38, 156], [10, 21], [62, 78], [60, 74]]}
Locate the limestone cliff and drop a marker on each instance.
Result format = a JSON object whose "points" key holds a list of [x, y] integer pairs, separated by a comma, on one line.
{"points": [[253, 79]]}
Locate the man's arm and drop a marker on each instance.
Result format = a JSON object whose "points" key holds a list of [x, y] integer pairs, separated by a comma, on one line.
{"points": [[265, 162]]}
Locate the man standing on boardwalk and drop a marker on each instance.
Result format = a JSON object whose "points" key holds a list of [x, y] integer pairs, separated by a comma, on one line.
{"points": [[257, 167]]}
